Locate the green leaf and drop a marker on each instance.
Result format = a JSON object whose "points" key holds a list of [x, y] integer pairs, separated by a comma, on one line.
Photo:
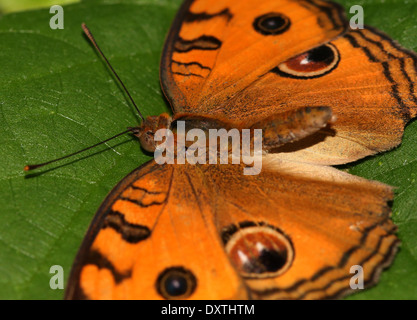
{"points": [[7, 6], [57, 97]]}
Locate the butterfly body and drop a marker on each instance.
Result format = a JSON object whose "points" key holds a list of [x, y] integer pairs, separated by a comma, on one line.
{"points": [[321, 95]]}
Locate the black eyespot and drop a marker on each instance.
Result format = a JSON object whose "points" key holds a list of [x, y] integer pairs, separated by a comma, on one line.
{"points": [[258, 250], [311, 64], [272, 23], [176, 283]]}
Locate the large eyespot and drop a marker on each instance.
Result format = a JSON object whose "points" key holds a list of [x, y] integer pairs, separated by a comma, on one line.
{"points": [[272, 23], [258, 250], [311, 64], [176, 283]]}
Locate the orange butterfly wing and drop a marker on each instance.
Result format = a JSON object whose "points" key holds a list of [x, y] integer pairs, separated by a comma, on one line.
{"points": [[371, 92], [152, 227], [178, 222], [332, 220], [215, 49]]}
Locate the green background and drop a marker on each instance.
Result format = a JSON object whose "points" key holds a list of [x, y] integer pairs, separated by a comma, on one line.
{"points": [[57, 97], [7, 6]]}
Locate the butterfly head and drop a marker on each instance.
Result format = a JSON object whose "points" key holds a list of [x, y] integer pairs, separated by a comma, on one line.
{"points": [[146, 132]]}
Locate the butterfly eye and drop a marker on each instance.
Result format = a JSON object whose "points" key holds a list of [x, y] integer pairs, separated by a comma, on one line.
{"points": [[176, 283], [260, 251], [311, 64], [272, 23]]}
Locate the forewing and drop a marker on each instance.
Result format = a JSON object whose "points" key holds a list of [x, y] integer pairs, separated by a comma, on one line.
{"points": [[217, 48]]}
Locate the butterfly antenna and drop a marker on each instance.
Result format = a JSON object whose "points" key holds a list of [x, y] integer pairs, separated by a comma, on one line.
{"points": [[93, 41], [35, 166]]}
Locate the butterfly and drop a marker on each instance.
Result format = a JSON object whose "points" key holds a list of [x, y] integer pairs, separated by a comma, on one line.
{"points": [[323, 95]]}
